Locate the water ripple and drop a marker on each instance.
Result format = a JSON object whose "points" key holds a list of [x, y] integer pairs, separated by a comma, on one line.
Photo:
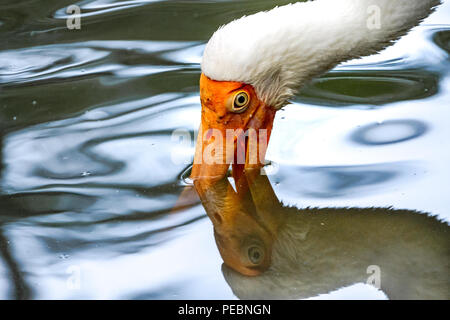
{"points": [[101, 7], [380, 87], [389, 132], [68, 61]]}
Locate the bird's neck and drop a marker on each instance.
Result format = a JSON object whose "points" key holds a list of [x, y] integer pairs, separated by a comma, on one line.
{"points": [[351, 29], [280, 50]]}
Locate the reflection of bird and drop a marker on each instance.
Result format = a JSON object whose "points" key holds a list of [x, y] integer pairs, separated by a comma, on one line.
{"points": [[253, 65], [294, 253]]}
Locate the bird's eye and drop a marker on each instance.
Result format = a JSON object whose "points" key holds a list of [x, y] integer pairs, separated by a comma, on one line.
{"points": [[240, 102], [255, 255]]}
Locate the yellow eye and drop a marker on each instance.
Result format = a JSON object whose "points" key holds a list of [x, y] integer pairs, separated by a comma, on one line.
{"points": [[240, 102]]}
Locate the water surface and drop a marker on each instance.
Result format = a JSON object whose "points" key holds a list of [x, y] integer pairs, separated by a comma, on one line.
{"points": [[87, 180]]}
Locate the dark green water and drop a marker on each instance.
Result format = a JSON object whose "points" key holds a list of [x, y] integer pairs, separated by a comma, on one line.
{"points": [[87, 181]]}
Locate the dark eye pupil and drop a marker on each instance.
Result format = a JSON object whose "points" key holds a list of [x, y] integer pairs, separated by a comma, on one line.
{"points": [[255, 255], [240, 102]]}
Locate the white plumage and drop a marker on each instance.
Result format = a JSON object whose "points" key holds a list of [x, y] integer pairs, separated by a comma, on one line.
{"points": [[278, 51]]}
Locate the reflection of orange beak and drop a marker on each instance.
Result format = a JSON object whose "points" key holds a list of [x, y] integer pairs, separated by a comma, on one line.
{"points": [[227, 138]]}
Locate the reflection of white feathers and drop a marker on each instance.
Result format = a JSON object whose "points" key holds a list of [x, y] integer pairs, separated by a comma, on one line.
{"points": [[279, 50], [321, 250]]}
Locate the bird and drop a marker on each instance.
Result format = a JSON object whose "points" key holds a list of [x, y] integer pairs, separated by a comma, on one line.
{"points": [[274, 251], [253, 66]]}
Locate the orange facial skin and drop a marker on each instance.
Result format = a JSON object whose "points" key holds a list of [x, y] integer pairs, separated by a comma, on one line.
{"points": [[216, 97]]}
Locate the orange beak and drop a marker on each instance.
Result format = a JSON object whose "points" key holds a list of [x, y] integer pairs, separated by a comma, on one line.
{"points": [[233, 131]]}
